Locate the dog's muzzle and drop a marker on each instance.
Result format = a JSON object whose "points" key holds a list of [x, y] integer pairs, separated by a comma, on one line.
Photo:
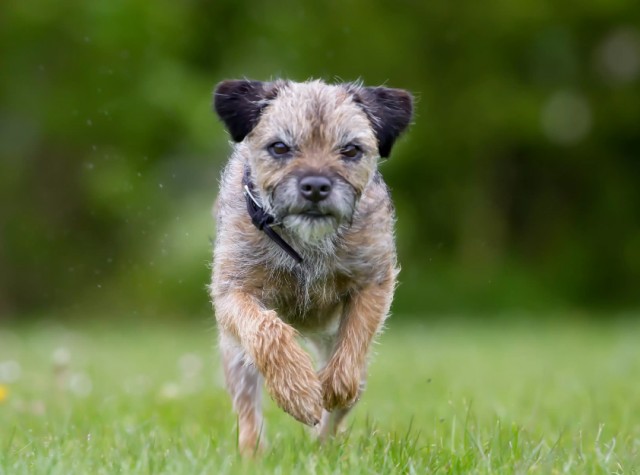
{"points": [[313, 206]]}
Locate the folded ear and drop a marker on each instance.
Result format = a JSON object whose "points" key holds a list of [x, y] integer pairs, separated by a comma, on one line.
{"points": [[390, 112], [239, 104]]}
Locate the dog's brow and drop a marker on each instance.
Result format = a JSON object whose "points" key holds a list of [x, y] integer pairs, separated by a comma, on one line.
{"points": [[356, 137]]}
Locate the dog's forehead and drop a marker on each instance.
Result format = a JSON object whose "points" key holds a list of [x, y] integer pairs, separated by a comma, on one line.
{"points": [[312, 95], [325, 111]]}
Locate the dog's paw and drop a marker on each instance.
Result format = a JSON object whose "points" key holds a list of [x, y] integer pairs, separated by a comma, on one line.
{"points": [[340, 385], [294, 385]]}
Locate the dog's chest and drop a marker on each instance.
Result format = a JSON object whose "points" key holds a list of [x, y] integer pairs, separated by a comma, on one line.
{"points": [[305, 299]]}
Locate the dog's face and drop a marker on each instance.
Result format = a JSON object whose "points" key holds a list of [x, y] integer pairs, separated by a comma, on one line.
{"points": [[312, 148]]}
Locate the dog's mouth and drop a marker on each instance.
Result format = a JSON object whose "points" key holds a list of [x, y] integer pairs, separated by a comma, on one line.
{"points": [[315, 214]]}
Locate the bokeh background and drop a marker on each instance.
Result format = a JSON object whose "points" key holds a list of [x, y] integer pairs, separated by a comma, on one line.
{"points": [[517, 187]]}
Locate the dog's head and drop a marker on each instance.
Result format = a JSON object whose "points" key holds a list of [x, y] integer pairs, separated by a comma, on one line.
{"points": [[312, 148]]}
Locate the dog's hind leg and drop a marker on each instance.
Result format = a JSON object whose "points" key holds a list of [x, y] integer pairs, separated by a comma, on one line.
{"points": [[243, 382]]}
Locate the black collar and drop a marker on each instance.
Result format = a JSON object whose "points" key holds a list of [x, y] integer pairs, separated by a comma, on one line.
{"points": [[263, 220]]}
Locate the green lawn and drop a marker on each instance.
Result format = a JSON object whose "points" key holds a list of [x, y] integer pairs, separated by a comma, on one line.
{"points": [[445, 398]]}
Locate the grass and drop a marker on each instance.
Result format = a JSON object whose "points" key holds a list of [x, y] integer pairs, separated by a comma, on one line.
{"points": [[445, 398]]}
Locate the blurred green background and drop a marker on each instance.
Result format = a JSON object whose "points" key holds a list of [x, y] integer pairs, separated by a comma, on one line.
{"points": [[517, 187]]}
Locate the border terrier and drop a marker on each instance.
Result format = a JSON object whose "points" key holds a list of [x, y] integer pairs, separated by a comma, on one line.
{"points": [[304, 244]]}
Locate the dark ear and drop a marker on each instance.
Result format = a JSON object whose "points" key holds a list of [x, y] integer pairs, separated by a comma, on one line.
{"points": [[390, 112], [239, 104]]}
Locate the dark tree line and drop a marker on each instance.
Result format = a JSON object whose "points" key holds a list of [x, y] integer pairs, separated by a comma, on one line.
{"points": [[518, 185]]}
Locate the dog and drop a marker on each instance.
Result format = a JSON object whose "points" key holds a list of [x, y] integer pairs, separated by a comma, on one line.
{"points": [[304, 244]]}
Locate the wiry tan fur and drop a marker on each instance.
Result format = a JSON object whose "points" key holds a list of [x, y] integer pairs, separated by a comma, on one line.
{"points": [[338, 297]]}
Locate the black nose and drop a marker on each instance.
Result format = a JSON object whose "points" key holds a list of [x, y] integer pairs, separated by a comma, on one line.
{"points": [[315, 188]]}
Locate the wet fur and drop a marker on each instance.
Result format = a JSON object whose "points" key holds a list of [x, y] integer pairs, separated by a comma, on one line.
{"points": [[339, 296]]}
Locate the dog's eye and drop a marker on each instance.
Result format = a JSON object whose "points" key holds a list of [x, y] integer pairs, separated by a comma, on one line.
{"points": [[279, 149], [352, 152]]}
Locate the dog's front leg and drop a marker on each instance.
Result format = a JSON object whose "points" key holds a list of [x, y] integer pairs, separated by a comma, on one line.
{"points": [[341, 378], [271, 344]]}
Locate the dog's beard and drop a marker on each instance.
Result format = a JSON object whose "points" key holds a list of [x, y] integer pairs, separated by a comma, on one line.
{"points": [[315, 224], [310, 228]]}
